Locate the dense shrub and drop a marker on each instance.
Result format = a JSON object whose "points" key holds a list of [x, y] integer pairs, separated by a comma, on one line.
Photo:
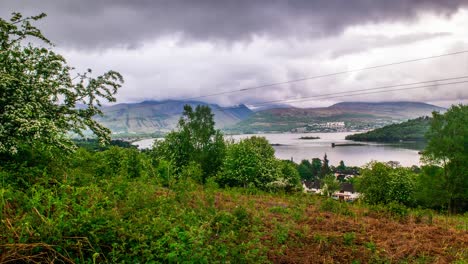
{"points": [[380, 183], [251, 162]]}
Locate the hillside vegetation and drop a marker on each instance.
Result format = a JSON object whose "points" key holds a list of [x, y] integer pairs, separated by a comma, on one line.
{"points": [[108, 216], [411, 130]]}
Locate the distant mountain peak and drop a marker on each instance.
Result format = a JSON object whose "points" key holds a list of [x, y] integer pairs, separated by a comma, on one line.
{"points": [[162, 116]]}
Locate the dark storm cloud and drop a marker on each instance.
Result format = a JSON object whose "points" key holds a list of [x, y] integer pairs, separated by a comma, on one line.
{"points": [[104, 23]]}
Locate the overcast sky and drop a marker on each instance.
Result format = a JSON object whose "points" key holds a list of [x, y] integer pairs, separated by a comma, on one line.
{"points": [[180, 49]]}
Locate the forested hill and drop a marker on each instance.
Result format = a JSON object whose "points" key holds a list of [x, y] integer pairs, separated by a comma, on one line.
{"points": [[411, 130]]}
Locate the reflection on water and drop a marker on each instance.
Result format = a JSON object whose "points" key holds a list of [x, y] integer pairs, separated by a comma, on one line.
{"points": [[289, 146]]}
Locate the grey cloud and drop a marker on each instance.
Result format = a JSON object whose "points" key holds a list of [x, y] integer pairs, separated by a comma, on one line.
{"points": [[104, 23]]}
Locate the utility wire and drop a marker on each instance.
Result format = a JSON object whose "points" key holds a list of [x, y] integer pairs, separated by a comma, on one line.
{"points": [[327, 75], [354, 93], [383, 89], [363, 93], [322, 76], [358, 90]]}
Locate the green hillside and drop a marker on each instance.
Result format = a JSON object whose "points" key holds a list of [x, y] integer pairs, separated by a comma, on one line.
{"points": [[411, 130]]}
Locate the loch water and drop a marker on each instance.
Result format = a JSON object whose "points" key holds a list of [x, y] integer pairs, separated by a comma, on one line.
{"points": [[290, 146]]}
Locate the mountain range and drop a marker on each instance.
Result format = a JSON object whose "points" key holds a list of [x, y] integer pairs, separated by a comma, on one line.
{"points": [[162, 116], [343, 116]]}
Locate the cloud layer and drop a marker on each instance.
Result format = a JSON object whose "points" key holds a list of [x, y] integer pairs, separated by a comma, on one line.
{"points": [[181, 49]]}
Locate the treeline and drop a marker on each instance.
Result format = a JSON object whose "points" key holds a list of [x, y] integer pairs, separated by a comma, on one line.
{"points": [[199, 151], [425, 187], [93, 144], [411, 130]]}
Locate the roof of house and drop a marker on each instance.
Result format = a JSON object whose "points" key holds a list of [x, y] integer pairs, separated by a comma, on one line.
{"points": [[312, 184], [347, 187]]}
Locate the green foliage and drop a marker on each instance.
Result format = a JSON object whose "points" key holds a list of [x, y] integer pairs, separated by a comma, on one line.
{"points": [[430, 191], [250, 162], [95, 210], [381, 183], [316, 167], [348, 238], [447, 144], [195, 141], [397, 210], [247, 162], [411, 130], [39, 98], [289, 180], [305, 170], [330, 185], [94, 145], [108, 214], [308, 170], [342, 166], [330, 205]]}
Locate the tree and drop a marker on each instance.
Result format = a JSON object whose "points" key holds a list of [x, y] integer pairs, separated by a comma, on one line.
{"points": [[430, 188], [382, 184], [341, 167], [325, 169], [447, 145], [289, 180], [251, 162], [316, 166], [195, 141], [290, 175], [305, 170], [330, 185], [38, 97]]}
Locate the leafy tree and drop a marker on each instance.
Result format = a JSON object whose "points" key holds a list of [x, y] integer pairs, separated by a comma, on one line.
{"points": [[447, 145], [380, 183], [39, 98], [330, 185], [305, 170], [430, 188], [341, 167], [316, 167], [251, 162], [290, 175], [195, 141]]}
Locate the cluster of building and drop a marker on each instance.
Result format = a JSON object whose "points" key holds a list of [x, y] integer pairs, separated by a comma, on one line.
{"points": [[345, 193], [326, 126]]}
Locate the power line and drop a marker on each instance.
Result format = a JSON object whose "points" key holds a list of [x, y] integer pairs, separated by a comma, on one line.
{"points": [[327, 75], [359, 90], [363, 93], [348, 93], [353, 93]]}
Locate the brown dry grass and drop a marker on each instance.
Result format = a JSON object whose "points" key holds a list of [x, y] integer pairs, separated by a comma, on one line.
{"points": [[315, 236]]}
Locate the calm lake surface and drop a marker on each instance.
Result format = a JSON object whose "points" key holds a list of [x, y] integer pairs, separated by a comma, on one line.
{"points": [[289, 146]]}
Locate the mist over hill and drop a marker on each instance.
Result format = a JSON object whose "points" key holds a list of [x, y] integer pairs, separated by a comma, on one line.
{"points": [[162, 116]]}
